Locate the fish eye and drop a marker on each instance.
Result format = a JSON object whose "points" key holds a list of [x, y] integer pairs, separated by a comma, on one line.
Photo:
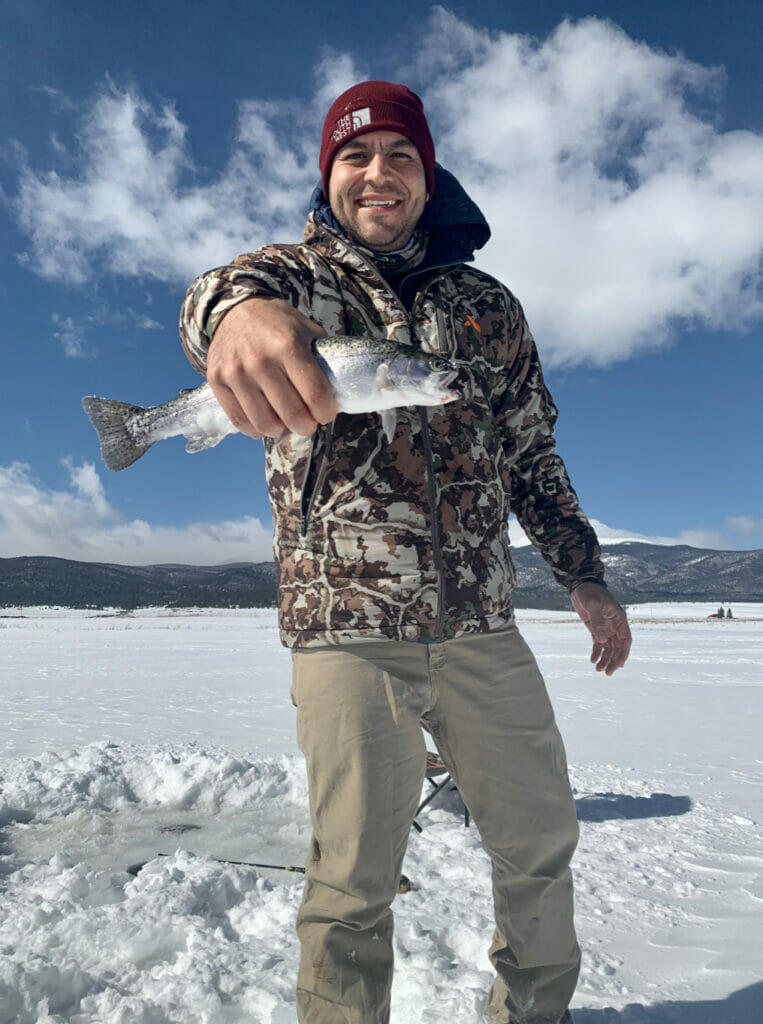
{"points": [[438, 364]]}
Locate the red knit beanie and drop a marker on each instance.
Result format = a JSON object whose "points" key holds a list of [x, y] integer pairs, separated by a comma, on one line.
{"points": [[374, 107]]}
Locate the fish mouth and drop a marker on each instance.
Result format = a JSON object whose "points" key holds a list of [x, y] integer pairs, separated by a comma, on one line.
{"points": [[443, 380]]}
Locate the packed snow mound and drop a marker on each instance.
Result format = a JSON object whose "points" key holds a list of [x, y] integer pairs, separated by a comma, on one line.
{"points": [[106, 777]]}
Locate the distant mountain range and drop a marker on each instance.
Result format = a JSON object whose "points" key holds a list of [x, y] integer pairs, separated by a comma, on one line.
{"points": [[636, 573]]}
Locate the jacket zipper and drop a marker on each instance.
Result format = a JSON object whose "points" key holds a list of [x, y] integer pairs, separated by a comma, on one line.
{"points": [[434, 525], [320, 476], [443, 348]]}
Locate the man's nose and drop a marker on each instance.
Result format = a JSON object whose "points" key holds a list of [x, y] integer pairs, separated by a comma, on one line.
{"points": [[378, 169]]}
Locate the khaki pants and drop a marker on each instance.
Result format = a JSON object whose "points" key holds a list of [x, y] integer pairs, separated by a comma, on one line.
{"points": [[360, 712]]}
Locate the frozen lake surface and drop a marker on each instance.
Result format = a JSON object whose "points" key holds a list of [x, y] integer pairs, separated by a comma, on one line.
{"points": [[125, 736]]}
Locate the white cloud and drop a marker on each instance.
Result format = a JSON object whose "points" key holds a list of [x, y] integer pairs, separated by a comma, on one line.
{"points": [[58, 100], [619, 207], [133, 208], [87, 483], [334, 73], [80, 523], [144, 322], [745, 526], [71, 332], [71, 335], [616, 210]]}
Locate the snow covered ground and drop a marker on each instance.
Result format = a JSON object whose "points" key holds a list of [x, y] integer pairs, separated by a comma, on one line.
{"points": [[124, 736]]}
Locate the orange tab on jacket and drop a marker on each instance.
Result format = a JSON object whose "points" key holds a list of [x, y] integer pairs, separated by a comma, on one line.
{"points": [[471, 322]]}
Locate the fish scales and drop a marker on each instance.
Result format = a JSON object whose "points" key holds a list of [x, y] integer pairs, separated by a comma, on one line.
{"points": [[365, 374]]}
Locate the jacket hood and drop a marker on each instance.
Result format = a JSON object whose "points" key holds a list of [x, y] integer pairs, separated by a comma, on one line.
{"points": [[455, 224]]}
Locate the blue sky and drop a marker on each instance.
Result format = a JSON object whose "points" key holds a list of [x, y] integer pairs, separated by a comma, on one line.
{"points": [[617, 150]]}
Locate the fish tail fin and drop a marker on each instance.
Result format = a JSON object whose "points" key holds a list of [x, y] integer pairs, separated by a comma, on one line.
{"points": [[119, 448]]}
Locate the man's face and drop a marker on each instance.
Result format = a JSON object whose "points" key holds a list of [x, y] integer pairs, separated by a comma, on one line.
{"points": [[377, 189]]}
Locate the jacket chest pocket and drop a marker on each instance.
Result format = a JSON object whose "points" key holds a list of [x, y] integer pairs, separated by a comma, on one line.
{"points": [[433, 328]]}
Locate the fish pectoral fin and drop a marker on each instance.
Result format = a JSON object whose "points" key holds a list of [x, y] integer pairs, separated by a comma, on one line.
{"points": [[198, 442], [382, 376], [389, 423], [388, 416]]}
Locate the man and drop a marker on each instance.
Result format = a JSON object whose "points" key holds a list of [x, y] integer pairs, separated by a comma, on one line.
{"points": [[393, 563]]}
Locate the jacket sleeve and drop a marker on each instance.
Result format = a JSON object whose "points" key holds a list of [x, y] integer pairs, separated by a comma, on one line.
{"points": [[542, 497], [269, 273]]}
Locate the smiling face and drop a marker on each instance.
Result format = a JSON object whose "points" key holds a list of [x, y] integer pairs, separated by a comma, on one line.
{"points": [[377, 189]]}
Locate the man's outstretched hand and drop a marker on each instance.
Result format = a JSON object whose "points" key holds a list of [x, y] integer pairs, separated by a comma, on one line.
{"points": [[263, 373], [607, 623]]}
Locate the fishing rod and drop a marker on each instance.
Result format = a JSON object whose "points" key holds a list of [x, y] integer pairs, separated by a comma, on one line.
{"points": [[134, 869]]}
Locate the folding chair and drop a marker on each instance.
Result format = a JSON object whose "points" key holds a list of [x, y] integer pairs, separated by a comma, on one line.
{"points": [[435, 767]]}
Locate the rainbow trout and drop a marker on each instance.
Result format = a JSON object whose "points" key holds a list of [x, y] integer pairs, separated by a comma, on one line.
{"points": [[366, 375]]}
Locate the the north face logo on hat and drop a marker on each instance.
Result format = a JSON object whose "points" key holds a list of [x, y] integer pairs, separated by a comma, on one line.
{"points": [[350, 123]]}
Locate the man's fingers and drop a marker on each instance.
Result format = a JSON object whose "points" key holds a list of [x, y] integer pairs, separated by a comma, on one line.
{"points": [[272, 413], [306, 376], [607, 623], [310, 384], [611, 654], [235, 412], [289, 409]]}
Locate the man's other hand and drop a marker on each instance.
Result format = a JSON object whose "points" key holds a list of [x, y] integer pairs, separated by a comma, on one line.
{"points": [[607, 623], [263, 373]]}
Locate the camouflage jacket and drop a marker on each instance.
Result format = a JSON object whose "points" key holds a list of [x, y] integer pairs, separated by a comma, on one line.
{"points": [[407, 540]]}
